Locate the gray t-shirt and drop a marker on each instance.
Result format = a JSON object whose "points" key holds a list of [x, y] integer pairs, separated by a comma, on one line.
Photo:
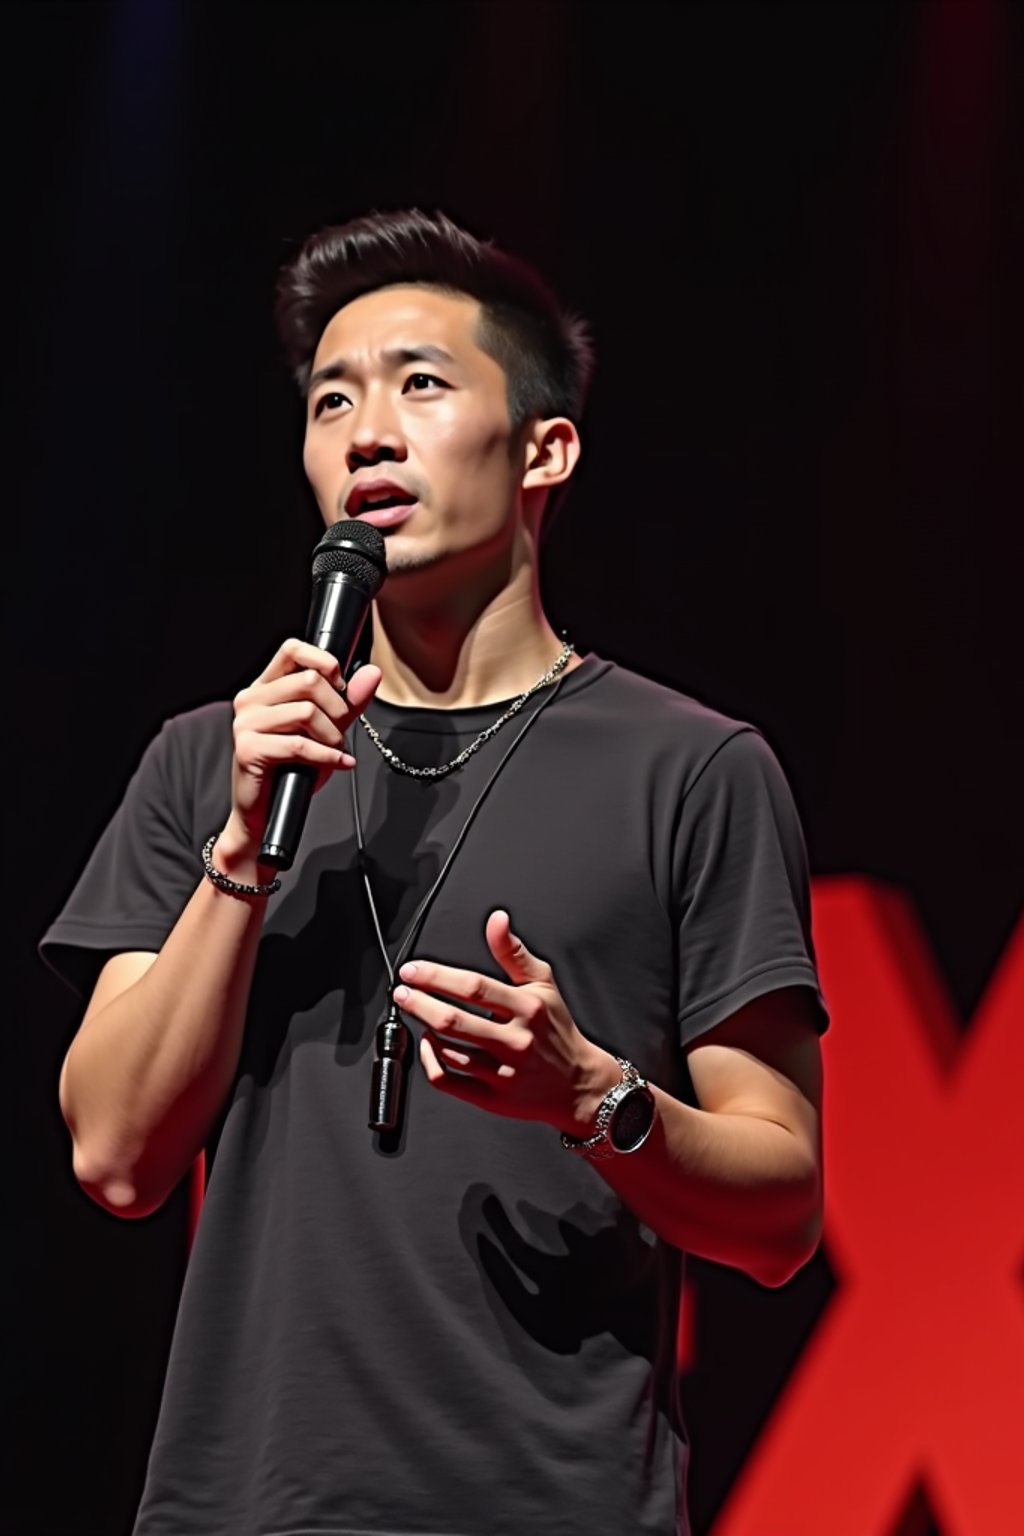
{"points": [[471, 1335]]}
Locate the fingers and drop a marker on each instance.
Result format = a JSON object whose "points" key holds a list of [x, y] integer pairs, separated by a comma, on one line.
{"points": [[468, 986], [478, 1064], [475, 1089], [265, 750], [308, 700], [294, 655], [518, 963], [362, 686], [295, 712], [297, 716], [505, 1042], [318, 679]]}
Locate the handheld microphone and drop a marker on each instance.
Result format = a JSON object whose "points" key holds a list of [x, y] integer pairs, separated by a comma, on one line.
{"points": [[349, 566]]}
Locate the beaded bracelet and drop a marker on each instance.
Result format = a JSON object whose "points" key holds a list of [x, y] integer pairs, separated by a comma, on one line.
{"points": [[233, 887]]}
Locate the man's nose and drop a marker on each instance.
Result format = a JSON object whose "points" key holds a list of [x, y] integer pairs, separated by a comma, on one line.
{"points": [[376, 434]]}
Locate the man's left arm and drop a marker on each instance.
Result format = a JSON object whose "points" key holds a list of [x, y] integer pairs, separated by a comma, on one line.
{"points": [[737, 1179]]}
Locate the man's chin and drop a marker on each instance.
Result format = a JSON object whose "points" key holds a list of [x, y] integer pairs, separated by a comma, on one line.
{"points": [[406, 556]]}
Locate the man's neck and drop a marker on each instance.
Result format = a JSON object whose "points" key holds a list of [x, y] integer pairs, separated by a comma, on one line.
{"points": [[440, 658]]}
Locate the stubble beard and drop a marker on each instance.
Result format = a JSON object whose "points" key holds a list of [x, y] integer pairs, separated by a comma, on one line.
{"points": [[404, 558]]}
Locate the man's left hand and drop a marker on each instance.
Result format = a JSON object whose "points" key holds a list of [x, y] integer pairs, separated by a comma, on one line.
{"points": [[528, 1060]]}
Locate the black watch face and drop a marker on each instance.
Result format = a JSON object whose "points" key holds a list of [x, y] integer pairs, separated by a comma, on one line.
{"points": [[632, 1120]]}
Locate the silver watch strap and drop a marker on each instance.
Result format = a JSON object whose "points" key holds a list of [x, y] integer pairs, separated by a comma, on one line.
{"points": [[599, 1144]]}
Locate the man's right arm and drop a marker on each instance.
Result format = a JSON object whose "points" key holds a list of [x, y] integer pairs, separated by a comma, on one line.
{"points": [[151, 1066]]}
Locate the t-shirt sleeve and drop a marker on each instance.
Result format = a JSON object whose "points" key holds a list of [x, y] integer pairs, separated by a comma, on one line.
{"points": [[742, 887], [139, 877]]}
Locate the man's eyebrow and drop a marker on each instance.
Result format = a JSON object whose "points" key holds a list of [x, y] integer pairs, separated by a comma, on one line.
{"points": [[394, 357], [426, 352], [335, 370]]}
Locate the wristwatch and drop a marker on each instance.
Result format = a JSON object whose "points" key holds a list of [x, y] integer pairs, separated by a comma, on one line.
{"points": [[624, 1118]]}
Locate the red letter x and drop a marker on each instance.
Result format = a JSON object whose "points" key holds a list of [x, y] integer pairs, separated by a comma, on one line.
{"points": [[916, 1370]]}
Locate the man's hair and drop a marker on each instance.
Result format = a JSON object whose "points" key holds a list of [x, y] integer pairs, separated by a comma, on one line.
{"points": [[546, 353]]}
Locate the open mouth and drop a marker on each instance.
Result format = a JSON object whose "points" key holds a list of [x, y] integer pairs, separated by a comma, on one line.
{"points": [[383, 503], [379, 501]]}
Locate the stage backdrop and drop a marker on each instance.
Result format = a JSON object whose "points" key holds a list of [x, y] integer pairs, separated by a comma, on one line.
{"points": [[797, 231]]}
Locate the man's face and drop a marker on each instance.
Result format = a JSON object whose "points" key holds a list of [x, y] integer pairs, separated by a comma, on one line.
{"points": [[407, 426]]}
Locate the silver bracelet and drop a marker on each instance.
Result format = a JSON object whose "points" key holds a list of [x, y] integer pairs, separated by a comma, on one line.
{"points": [[233, 887]]}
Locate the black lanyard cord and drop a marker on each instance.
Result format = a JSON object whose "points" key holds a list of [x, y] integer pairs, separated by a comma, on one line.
{"points": [[394, 1037]]}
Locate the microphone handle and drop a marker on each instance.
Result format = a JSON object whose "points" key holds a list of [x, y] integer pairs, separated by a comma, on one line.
{"points": [[337, 614]]}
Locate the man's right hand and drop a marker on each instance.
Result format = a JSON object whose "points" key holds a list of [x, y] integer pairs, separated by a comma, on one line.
{"points": [[294, 712], [155, 1058]]}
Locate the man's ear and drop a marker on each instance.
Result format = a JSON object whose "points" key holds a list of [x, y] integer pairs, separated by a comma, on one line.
{"points": [[551, 453]]}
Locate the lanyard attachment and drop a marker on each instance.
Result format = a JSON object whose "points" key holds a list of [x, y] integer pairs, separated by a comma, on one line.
{"points": [[394, 1038]]}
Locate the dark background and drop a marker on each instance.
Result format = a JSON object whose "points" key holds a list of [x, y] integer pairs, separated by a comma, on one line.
{"points": [[797, 231]]}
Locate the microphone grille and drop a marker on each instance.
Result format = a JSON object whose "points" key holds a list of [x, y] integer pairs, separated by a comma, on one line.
{"points": [[355, 548]]}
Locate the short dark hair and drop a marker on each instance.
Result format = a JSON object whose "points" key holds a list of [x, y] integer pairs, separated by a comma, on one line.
{"points": [[546, 353]]}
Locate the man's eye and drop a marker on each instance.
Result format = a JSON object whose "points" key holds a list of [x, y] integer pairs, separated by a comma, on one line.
{"points": [[331, 401], [424, 381]]}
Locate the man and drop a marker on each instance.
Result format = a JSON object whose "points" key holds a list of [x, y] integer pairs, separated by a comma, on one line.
{"points": [[470, 1330]]}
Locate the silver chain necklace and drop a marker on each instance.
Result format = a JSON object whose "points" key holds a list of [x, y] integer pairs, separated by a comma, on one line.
{"points": [[394, 761]]}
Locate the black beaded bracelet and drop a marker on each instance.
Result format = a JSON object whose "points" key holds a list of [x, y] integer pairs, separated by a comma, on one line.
{"points": [[233, 887]]}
